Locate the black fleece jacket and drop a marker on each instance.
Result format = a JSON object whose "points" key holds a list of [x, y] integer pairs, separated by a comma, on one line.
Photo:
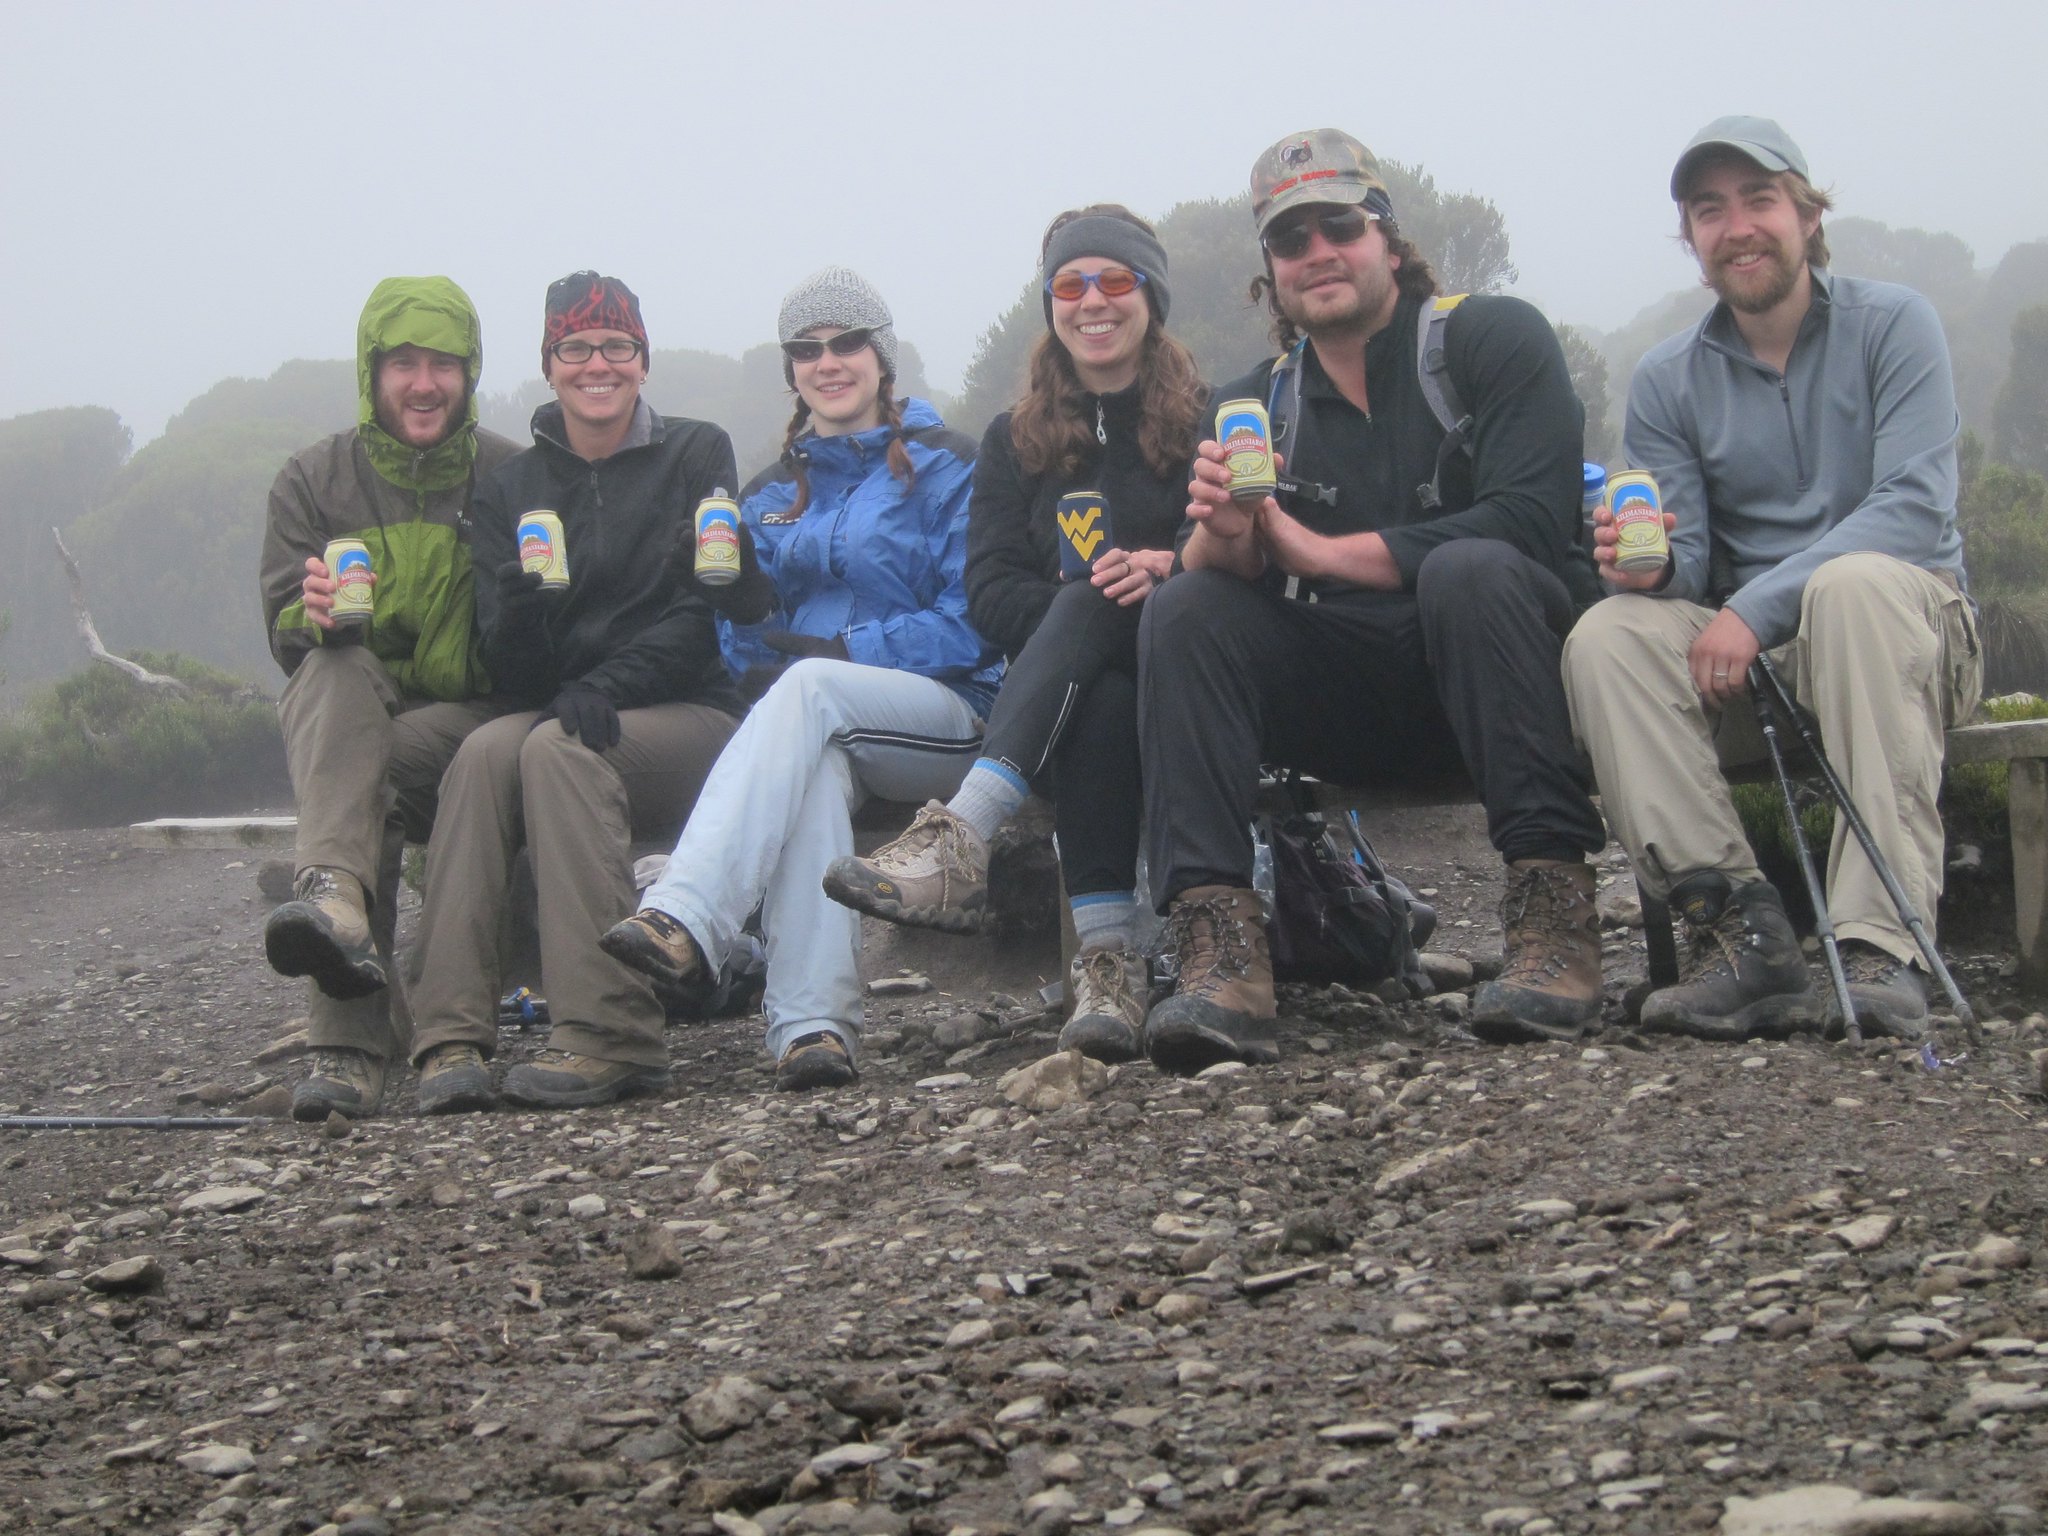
{"points": [[1521, 481], [1013, 559], [632, 624]]}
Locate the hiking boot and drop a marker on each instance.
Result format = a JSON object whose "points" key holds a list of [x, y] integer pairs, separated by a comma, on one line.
{"points": [[1222, 1007], [339, 1081], [324, 933], [934, 876], [1110, 989], [1889, 994], [817, 1060], [655, 945], [564, 1080], [1742, 975], [455, 1080], [1549, 987]]}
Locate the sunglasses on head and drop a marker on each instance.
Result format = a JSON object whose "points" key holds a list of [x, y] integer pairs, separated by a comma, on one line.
{"points": [[1112, 282], [1340, 226], [808, 349]]}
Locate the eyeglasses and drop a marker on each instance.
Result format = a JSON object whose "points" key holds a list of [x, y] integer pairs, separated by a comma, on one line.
{"points": [[1340, 226], [808, 349], [619, 349], [1111, 282]]}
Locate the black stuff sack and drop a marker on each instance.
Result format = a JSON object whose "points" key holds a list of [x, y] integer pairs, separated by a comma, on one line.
{"points": [[1338, 914]]}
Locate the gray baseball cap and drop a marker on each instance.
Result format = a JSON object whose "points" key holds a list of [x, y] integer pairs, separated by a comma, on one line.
{"points": [[1756, 138]]}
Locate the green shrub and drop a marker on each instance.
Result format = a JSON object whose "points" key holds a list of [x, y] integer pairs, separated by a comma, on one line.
{"points": [[98, 746]]}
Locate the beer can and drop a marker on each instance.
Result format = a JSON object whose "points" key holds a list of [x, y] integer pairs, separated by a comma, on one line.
{"points": [[1246, 434], [1084, 532], [541, 548], [718, 539], [348, 562], [1639, 543]]}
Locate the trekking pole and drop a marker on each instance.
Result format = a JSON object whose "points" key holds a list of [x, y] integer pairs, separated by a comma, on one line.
{"points": [[1907, 914], [1823, 922], [129, 1122]]}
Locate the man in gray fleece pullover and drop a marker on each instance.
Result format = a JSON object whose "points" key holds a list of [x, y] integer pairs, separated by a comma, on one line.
{"points": [[1804, 438]]}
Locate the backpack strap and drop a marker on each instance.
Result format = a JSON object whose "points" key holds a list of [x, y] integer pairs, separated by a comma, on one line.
{"points": [[1433, 373]]}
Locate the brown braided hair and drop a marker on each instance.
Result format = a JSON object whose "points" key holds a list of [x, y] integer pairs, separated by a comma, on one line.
{"points": [[892, 418], [1050, 429]]}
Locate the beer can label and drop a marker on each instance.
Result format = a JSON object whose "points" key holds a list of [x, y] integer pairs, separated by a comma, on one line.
{"points": [[718, 541], [1639, 541], [1246, 433], [348, 562], [542, 548], [1084, 532]]}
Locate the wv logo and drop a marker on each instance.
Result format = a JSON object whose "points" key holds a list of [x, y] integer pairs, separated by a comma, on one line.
{"points": [[1083, 530]]}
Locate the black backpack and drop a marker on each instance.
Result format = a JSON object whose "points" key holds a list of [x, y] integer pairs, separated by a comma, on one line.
{"points": [[1339, 915]]}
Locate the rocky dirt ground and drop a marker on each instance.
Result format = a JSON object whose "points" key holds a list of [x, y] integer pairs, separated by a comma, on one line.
{"points": [[1399, 1283]]}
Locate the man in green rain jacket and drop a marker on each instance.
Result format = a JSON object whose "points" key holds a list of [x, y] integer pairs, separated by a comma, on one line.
{"points": [[373, 712]]}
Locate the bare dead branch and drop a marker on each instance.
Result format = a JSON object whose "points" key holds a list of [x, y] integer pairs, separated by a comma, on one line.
{"points": [[89, 632]]}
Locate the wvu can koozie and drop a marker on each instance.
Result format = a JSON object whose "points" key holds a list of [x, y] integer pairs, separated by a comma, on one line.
{"points": [[1084, 532]]}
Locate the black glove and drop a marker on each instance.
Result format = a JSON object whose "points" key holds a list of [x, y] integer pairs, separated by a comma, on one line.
{"points": [[832, 647], [585, 714], [759, 678], [521, 604], [749, 597]]}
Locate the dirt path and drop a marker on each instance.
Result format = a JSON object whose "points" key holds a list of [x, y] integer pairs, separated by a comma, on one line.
{"points": [[1399, 1283]]}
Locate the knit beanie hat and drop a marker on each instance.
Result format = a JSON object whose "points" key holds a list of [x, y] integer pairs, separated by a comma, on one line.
{"points": [[1104, 234], [837, 296], [586, 301]]}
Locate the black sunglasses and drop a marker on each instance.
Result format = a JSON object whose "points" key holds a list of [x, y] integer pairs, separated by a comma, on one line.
{"points": [[808, 349], [1340, 226]]}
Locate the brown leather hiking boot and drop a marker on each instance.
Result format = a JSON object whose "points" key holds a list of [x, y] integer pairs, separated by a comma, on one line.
{"points": [[455, 1079], [1110, 989], [1549, 987], [339, 1081], [934, 876], [324, 932], [1222, 1006], [656, 945]]}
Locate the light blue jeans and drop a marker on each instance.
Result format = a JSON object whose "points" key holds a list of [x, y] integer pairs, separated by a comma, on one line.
{"points": [[778, 808]]}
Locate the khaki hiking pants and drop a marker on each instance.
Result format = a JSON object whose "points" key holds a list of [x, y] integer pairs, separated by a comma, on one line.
{"points": [[360, 753], [1886, 658], [578, 811]]}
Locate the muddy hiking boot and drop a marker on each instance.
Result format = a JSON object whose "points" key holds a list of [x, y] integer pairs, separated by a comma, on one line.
{"points": [[1110, 988], [1742, 975], [656, 945], [454, 1080], [1222, 1007], [817, 1060], [323, 932], [934, 876], [1549, 986], [557, 1079], [1889, 994], [339, 1081]]}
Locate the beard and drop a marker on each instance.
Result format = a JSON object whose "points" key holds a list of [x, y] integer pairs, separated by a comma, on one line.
{"points": [[1762, 288], [1338, 311]]}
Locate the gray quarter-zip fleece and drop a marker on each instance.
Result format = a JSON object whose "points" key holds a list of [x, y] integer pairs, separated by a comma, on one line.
{"points": [[1853, 447]]}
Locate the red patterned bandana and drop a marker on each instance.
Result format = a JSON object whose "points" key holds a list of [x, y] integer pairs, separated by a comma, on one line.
{"points": [[586, 301]]}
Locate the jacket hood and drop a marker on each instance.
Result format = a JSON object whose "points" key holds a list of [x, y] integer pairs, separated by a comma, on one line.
{"points": [[425, 312], [858, 447]]}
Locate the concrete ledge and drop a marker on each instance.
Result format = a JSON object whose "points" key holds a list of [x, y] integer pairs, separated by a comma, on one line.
{"points": [[219, 832]]}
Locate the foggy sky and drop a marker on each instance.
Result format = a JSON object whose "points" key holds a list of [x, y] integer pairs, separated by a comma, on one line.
{"points": [[200, 190]]}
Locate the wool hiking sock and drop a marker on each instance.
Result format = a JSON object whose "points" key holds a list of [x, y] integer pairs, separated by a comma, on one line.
{"points": [[1105, 919], [988, 797]]}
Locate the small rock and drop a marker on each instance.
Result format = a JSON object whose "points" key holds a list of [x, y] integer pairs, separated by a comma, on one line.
{"points": [[1865, 1232], [1361, 1432], [588, 1207], [1177, 1307], [273, 1103], [844, 1458], [124, 1276], [446, 1195], [1994, 1253], [735, 1170], [337, 1127], [46, 1293], [961, 1030], [1828, 1509], [211, 1460], [573, 1477], [1446, 972], [651, 1254], [908, 985], [728, 1404], [221, 1197], [1055, 1081], [966, 1335], [1643, 1380], [141, 1450]]}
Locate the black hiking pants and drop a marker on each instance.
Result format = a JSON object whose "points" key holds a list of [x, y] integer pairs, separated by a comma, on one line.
{"points": [[1066, 722], [1358, 688]]}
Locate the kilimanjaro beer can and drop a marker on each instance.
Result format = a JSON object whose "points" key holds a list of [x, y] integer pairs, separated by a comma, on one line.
{"points": [[542, 549], [1084, 532], [348, 562], [718, 539], [1247, 438], [1639, 541]]}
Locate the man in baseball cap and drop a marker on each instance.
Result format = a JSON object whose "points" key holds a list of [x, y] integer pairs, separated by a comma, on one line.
{"points": [[1804, 438], [1397, 609]]}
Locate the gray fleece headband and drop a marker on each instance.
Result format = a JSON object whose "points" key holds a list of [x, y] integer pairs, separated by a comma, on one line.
{"points": [[1103, 234]]}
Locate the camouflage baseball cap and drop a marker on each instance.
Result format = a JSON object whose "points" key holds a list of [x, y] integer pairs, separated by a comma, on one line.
{"points": [[1323, 165]]}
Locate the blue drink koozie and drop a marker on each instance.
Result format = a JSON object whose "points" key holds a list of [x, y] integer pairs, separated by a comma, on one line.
{"points": [[1084, 532]]}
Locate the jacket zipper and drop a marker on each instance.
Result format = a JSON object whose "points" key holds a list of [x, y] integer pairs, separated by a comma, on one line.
{"points": [[1101, 431], [1792, 430]]}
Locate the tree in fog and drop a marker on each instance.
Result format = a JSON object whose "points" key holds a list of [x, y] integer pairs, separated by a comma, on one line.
{"points": [[1589, 382], [2019, 421]]}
